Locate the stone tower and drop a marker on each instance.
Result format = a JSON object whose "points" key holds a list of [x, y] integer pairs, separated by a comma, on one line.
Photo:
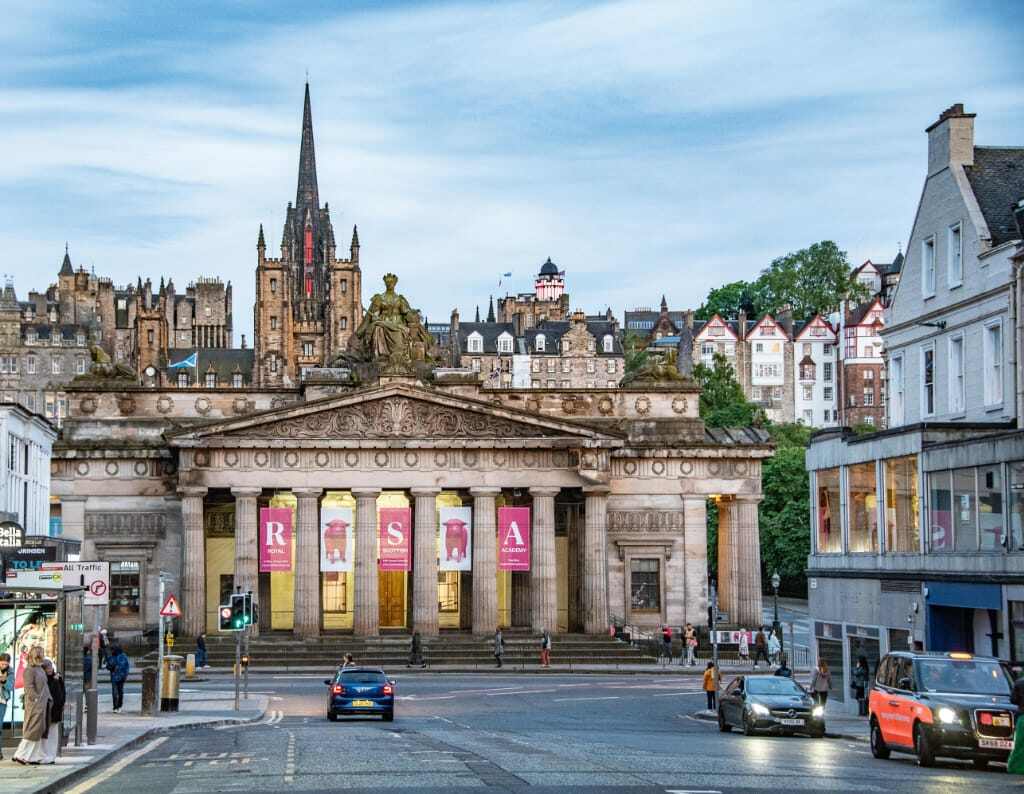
{"points": [[307, 300]]}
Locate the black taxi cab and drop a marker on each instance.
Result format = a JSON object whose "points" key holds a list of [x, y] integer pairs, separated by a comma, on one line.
{"points": [[954, 705]]}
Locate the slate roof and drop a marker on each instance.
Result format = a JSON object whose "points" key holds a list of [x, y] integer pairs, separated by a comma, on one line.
{"points": [[44, 331], [225, 361], [489, 331], [744, 436], [997, 179], [631, 317], [858, 313]]}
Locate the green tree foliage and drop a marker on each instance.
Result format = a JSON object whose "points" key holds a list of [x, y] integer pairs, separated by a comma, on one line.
{"points": [[727, 300], [634, 348], [810, 281], [784, 513], [722, 402]]}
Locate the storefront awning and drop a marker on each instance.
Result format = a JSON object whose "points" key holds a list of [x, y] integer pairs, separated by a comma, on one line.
{"points": [[966, 595]]}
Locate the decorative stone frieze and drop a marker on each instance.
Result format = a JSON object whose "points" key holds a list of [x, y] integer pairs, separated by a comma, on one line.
{"points": [[148, 526], [645, 521]]}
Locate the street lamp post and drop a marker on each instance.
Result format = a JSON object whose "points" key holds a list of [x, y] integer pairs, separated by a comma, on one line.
{"points": [[776, 627]]}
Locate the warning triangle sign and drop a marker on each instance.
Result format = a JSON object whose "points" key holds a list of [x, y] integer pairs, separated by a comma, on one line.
{"points": [[171, 608]]}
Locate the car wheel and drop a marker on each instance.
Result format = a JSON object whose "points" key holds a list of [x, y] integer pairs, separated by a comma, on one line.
{"points": [[723, 726], [332, 716], [879, 749], [748, 726], [817, 733], [925, 754], [389, 716], [980, 763]]}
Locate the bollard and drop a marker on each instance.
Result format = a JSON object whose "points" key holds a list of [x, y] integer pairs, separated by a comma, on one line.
{"points": [[149, 693], [79, 708], [92, 705], [190, 666]]}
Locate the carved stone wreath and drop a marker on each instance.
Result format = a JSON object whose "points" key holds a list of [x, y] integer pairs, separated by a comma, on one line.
{"points": [[231, 458], [141, 468], [441, 460], [605, 405], [203, 405], [686, 468], [412, 459], [381, 459], [398, 417], [112, 469], [202, 458], [642, 405], [260, 459], [569, 406], [658, 467], [87, 405], [126, 405], [629, 467], [164, 404], [291, 459], [242, 406], [322, 459], [82, 469], [680, 404], [351, 459]]}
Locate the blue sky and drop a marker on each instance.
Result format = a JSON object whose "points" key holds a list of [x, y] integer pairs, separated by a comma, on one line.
{"points": [[647, 147]]}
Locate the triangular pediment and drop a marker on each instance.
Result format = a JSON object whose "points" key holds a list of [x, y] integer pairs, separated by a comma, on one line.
{"points": [[391, 413]]}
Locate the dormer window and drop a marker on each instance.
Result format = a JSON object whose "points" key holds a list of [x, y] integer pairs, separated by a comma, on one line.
{"points": [[211, 380], [236, 380], [609, 343], [81, 340], [182, 380], [539, 343], [504, 343], [475, 343]]}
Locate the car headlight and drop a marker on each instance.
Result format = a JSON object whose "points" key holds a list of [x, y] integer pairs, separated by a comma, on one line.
{"points": [[757, 708], [947, 716], [818, 711]]}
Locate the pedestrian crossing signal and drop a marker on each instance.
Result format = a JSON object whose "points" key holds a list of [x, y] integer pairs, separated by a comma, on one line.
{"points": [[225, 617]]}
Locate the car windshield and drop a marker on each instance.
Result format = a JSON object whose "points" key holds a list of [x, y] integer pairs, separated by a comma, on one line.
{"points": [[773, 685], [361, 677], [967, 676]]}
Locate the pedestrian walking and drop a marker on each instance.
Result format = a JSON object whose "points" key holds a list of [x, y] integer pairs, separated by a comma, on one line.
{"points": [[499, 647], [760, 648], [201, 651], [821, 683], [1015, 763], [711, 685], [859, 685], [666, 642], [416, 651], [348, 661], [104, 651], [118, 665], [545, 649], [783, 669], [744, 649], [37, 709], [774, 648], [58, 696], [690, 641], [86, 666], [6, 692]]}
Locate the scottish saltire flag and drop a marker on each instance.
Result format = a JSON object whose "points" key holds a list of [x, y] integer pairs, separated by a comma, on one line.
{"points": [[191, 361], [504, 275]]}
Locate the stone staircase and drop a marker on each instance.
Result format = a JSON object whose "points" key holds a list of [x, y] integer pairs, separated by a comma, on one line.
{"points": [[457, 651]]}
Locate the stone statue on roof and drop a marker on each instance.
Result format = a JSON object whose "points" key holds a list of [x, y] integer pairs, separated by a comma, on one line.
{"points": [[391, 334]]}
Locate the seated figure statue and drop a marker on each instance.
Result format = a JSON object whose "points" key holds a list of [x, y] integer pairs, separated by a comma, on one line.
{"points": [[391, 332]]}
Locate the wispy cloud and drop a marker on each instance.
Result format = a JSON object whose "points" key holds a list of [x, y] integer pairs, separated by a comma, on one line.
{"points": [[681, 144]]}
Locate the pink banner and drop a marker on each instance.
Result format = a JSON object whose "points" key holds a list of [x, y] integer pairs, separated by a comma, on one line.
{"points": [[275, 539], [395, 533], [513, 538]]}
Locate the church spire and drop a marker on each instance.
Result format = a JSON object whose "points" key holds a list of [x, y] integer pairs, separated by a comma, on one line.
{"points": [[307, 196], [490, 311], [65, 268]]}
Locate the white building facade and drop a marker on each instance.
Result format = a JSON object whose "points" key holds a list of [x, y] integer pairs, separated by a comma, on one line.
{"points": [[815, 364], [26, 444]]}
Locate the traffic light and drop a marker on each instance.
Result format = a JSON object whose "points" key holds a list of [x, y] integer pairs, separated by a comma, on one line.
{"points": [[247, 610], [238, 611], [225, 617]]}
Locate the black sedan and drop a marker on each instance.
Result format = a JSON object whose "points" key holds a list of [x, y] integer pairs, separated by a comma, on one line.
{"points": [[773, 703]]}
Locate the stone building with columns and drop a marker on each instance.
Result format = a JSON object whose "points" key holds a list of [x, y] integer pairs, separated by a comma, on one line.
{"points": [[616, 479]]}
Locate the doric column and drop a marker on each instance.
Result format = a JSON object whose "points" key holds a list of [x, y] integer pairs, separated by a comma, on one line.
{"points": [[307, 563], [727, 558], [424, 562], [485, 561], [747, 570], [246, 535], [194, 570], [594, 584], [695, 559], [543, 587], [366, 617]]}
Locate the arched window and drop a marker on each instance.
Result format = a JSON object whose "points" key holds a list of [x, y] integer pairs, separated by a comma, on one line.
{"points": [[539, 343]]}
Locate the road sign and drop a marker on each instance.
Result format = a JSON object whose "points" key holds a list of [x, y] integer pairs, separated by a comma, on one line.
{"points": [[170, 608], [94, 576], [43, 575]]}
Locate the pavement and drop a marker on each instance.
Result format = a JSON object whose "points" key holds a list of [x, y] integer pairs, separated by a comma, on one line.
{"points": [[510, 733], [119, 734]]}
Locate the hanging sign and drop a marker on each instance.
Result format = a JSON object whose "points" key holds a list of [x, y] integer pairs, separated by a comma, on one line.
{"points": [[513, 538], [395, 552], [337, 539], [275, 539], [456, 539]]}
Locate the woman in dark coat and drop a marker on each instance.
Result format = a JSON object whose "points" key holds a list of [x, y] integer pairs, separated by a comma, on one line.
{"points": [[58, 696], [37, 709]]}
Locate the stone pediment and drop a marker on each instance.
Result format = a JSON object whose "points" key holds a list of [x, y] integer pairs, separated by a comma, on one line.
{"points": [[392, 413]]}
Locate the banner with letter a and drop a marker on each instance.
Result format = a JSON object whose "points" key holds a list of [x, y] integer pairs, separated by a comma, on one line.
{"points": [[456, 539], [513, 538], [275, 539], [395, 531], [337, 539]]}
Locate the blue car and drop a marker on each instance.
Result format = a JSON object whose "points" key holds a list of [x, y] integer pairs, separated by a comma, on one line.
{"points": [[360, 690]]}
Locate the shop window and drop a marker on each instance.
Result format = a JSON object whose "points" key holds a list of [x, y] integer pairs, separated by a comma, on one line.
{"points": [[448, 591], [1017, 506], [965, 522], [124, 588], [902, 530], [863, 503], [335, 592], [645, 585], [830, 533], [940, 512], [990, 508]]}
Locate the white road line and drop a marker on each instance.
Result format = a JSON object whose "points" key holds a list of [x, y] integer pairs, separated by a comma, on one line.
{"points": [[673, 694], [692, 791], [610, 697], [289, 766], [523, 692], [109, 772]]}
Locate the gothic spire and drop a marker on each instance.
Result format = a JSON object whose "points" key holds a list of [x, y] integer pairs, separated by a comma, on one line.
{"points": [[490, 311], [355, 237], [65, 268], [307, 195], [260, 242], [477, 314]]}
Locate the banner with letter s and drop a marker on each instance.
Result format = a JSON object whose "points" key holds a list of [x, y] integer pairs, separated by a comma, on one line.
{"points": [[275, 539], [513, 538], [395, 525]]}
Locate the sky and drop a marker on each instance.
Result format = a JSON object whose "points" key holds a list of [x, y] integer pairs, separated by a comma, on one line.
{"points": [[648, 148]]}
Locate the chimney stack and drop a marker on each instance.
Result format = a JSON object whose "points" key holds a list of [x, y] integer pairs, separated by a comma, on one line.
{"points": [[951, 139], [243, 341]]}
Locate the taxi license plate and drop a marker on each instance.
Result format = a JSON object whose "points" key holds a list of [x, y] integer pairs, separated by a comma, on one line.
{"points": [[996, 744], [791, 722], [362, 703]]}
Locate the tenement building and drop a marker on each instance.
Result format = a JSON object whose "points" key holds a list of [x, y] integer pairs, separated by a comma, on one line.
{"points": [[392, 491], [918, 530]]}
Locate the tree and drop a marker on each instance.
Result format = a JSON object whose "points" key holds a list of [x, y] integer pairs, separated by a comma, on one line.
{"points": [[727, 300], [784, 518], [634, 346], [810, 281], [722, 401]]}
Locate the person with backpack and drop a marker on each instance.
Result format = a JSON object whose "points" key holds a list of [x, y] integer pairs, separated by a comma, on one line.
{"points": [[118, 665], [545, 649]]}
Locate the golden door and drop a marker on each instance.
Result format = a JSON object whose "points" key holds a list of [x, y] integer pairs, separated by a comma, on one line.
{"points": [[391, 588]]}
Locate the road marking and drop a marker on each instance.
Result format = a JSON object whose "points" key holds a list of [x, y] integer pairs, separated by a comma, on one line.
{"points": [[289, 765], [610, 697], [672, 694], [523, 692], [692, 791], [109, 772]]}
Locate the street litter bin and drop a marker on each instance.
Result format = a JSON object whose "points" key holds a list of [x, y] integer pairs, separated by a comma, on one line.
{"points": [[171, 683]]}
